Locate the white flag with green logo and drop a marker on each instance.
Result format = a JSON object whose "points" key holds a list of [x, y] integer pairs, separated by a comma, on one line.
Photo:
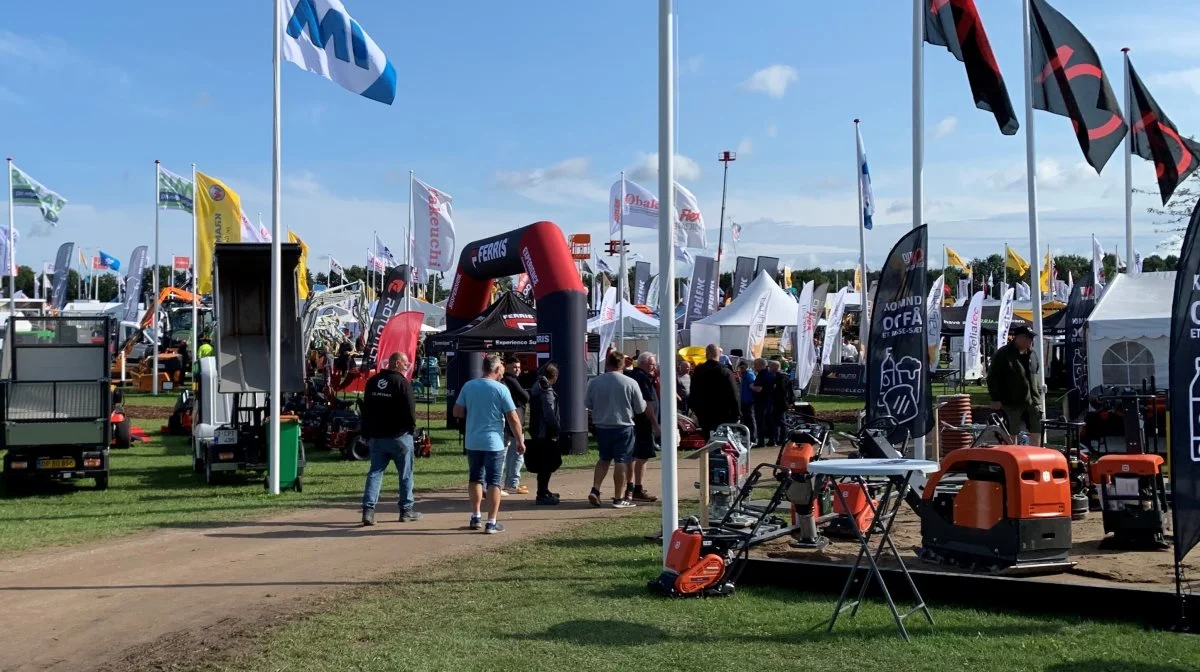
{"points": [[28, 191], [174, 191]]}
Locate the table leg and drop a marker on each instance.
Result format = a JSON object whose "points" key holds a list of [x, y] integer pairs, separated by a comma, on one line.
{"points": [[864, 549]]}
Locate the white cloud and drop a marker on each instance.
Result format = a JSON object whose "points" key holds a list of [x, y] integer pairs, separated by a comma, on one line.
{"points": [[645, 169], [945, 127], [772, 80], [47, 53], [692, 64], [772, 130], [1052, 175], [1178, 79], [564, 183], [746, 146]]}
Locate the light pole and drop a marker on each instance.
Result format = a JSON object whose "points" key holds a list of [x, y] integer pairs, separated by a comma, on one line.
{"points": [[725, 158]]}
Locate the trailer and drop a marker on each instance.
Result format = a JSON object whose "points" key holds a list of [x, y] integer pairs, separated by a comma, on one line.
{"points": [[231, 394], [56, 400]]}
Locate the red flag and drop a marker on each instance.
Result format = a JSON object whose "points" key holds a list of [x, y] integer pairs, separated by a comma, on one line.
{"points": [[400, 334], [1156, 139], [1068, 80], [955, 25]]}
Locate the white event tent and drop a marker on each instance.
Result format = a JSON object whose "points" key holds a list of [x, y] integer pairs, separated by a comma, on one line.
{"points": [[1129, 331], [730, 326]]}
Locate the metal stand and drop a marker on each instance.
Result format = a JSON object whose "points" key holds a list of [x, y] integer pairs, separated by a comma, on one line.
{"points": [[880, 525]]}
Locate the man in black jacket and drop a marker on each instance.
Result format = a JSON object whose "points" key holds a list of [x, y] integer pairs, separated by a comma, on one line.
{"points": [[714, 397], [514, 461], [389, 418], [1013, 379]]}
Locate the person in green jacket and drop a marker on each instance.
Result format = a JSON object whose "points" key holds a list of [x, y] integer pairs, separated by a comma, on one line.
{"points": [[1014, 384]]}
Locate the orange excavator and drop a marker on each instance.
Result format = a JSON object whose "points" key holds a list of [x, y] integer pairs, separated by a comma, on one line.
{"points": [[171, 356]]}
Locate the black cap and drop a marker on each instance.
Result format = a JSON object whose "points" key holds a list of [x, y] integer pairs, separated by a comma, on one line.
{"points": [[1022, 331]]}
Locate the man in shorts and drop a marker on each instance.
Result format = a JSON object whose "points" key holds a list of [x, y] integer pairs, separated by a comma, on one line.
{"points": [[1014, 381], [645, 426], [614, 400], [487, 406]]}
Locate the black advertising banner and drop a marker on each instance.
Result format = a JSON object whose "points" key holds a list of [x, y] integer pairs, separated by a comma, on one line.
{"points": [[768, 264], [133, 283], [743, 273], [898, 383], [1078, 309], [641, 282], [62, 269], [394, 287], [1185, 394], [703, 289], [843, 380]]}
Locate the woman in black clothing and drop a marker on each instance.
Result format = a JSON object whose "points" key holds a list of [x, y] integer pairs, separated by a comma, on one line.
{"points": [[542, 455]]}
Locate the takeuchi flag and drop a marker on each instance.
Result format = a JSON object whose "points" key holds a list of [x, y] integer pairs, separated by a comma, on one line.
{"points": [[433, 228], [320, 36]]}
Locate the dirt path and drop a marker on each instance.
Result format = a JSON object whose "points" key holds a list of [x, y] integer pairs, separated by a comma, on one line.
{"points": [[159, 595]]}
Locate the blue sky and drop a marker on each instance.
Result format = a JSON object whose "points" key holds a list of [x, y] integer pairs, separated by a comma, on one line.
{"points": [[526, 111]]}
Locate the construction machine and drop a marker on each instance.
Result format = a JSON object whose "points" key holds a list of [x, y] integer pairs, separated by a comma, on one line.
{"points": [[174, 309]]}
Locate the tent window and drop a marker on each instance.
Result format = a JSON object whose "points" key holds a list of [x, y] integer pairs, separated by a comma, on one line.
{"points": [[1126, 363]]}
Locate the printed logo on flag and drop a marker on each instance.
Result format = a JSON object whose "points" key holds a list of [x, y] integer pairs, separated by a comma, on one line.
{"points": [[216, 192]]}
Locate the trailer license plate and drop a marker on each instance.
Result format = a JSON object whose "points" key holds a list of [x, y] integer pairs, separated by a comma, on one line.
{"points": [[226, 437], [56, 464]]}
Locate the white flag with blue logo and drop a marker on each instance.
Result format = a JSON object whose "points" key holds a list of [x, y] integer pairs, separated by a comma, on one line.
{"points": [[321, 37], [864, 182]]}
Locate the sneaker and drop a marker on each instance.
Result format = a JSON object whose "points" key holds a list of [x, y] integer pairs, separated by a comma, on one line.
{"points": [[493, 528], [409, 516], [640, 495], [368, 518], [503, 492], [546, 499], [594, 498], [475, 523], [520, 490], [622, 504]]}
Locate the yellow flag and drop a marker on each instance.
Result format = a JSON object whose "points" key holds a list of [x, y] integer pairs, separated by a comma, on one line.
{"points": [[302, 271], [952, 259], [218, 220], [787, 277], [858, 279], [1014, 262], [1047, 272]]}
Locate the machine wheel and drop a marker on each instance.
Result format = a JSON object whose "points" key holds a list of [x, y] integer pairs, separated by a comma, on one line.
{"points": [[359, 449], [197, 465], [123, 433], [102, 482]]}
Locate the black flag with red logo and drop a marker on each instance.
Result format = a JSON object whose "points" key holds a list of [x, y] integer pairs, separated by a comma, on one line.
{"points": [[395, 285], [955, 25], [1068, 80], [1156, 139]]}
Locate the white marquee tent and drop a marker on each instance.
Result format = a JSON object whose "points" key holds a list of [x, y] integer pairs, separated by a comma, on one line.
{"points": [[1128, 336], [730, 326]]}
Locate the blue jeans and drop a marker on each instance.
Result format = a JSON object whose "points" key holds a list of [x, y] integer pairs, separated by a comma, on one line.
{"points": [[398, 449], [484, 467], [615, 444], [513, 463]]}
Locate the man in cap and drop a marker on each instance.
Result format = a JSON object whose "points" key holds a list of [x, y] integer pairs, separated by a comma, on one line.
{"points": [[1014, 384]]}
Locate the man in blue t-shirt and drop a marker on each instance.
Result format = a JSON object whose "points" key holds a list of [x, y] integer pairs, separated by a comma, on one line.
{"points": [[486, 404]]}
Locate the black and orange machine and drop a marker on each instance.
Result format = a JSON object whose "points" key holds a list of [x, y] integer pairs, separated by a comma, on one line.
{"points": [[706, 562], [1133, 500], [999, 509]]}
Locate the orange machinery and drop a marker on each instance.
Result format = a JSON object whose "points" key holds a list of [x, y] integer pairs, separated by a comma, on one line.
{"points": [[1133, 500], [170, 360], [999, 508]]}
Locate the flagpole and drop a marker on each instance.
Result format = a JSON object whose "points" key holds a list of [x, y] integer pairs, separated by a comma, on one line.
{"points": [[195, 280], [1031, 183], [918, 146], [408, 246], [276, 267], [666, 265], [622, 279], [863, 327], [154, 304], [12, 257], [1128, 165]]}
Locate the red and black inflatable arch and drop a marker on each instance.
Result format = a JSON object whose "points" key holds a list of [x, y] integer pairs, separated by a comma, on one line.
{"points": [[539, 250]]}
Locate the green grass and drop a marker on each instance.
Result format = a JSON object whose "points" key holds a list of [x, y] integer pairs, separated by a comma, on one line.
{"points": [[152, 486], [577, 601]]}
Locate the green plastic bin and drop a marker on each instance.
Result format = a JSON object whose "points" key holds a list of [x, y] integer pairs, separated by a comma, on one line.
{"points": [[291, 454]]}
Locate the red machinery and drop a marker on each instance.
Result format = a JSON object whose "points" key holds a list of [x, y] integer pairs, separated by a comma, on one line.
{"points": [[999, 507]]}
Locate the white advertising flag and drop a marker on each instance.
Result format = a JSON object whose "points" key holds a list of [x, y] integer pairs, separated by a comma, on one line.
{"points": [[433, 224], [933, 321], [806, 328], [973, 332], [320, 36], [1005, 319], [833, 329], [608, 319], [689, 222], [758, 326], [639, 210]]}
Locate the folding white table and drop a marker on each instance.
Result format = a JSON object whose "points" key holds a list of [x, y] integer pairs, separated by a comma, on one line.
{"points": [[898, 473]]}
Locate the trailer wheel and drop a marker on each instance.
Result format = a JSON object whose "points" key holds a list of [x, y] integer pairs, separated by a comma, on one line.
{"points": [[102, 482], [124, 433]]}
